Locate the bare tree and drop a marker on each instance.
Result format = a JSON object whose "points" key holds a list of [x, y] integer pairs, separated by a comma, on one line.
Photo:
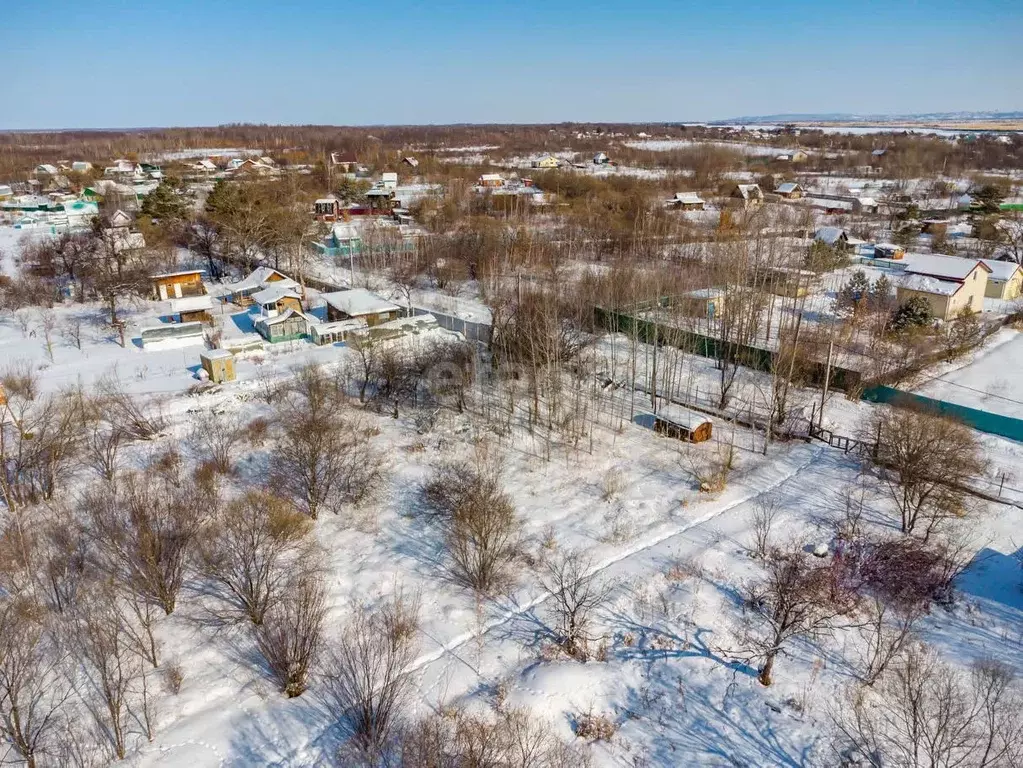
{"points": [[115, 669], [367, 679], [575, 592], [926, 460], [251, 549], [481, 527], [145, 527], [124, 412], [324, 459], [765, 511], [796, 598], [34, 688], [216, 437], [290, 636], [925, 713], [509, 738]]}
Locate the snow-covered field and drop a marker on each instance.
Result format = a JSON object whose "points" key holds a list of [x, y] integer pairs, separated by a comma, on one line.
{"points": [[676, 680], [989, 380]]}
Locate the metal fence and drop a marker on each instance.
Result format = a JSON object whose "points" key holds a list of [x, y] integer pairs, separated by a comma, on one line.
{"points": [[983, 421], [480, 332]]}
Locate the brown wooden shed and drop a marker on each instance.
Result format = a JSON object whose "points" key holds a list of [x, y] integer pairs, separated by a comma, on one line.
{"points": [[682, 424]]}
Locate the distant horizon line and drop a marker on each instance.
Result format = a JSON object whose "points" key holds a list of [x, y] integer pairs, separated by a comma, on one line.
{"points": [[783, 117]]}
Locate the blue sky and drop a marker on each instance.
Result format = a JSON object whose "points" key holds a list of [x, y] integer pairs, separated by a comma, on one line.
{"points": [[127, 63]]}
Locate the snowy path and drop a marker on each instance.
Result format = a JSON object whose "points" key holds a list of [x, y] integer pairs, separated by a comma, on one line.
{"points": [[295, 733]]}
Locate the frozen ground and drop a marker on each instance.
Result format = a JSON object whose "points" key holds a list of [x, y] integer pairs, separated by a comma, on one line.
{"points": [[989, 380], [674, 681]]}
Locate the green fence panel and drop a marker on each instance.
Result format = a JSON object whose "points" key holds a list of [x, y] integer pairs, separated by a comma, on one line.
{"points": [[983, 421]]}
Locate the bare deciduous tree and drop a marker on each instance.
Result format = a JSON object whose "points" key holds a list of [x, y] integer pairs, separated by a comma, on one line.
{"points": [[215, 437], [366, 678], [324, 459], [145, 528], [797, 598], [291, 633], [926, 459], [124, 412], [34, 689], [765, 512], [251, 549], [575, 593], [481, 527], [105, 650], [925, 713]]}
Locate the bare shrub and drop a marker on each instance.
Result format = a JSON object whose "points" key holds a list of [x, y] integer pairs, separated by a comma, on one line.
{"points": [[595, 727], [215, 437], [612, 484], [482, 529], [926, 460], [20, 380], [290, 636], [765, 511], [64, 548], [367, 679], [927, 713], [174, 677], [125, 412], [251, 549], [510, 737], [574, 592]]}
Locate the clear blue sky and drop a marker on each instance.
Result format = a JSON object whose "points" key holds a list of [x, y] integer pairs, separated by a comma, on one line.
{"points": [[126, 63]]}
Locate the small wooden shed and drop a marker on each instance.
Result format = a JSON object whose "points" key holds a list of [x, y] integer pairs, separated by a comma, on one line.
{"points": [[682, 424], [219, 364]]}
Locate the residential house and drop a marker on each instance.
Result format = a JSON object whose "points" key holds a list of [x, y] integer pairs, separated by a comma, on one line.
{"points": [[119, 219], [389, 180], [290, 325], [686, 201], [1004, 281], [948, 284], [275, 299], [343, 240], [749, 195], [241, 293], [81, 166], [836, 237], [790, 190], [360, 304], [792, 282], [80, 213], [206, 166], [410, 161], [346, 162], [122, 240], [6, 192], [46, 169], [490, 180], [601, 159], [547, 161], [327, 209], [864, 205], [177, 285], [380, 199]]}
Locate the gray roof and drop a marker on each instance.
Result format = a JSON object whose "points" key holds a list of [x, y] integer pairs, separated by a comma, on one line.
{"points": [[830, 235]]}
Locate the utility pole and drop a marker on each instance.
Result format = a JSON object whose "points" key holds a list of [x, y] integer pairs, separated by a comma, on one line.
{"points": [[827, 378]]}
